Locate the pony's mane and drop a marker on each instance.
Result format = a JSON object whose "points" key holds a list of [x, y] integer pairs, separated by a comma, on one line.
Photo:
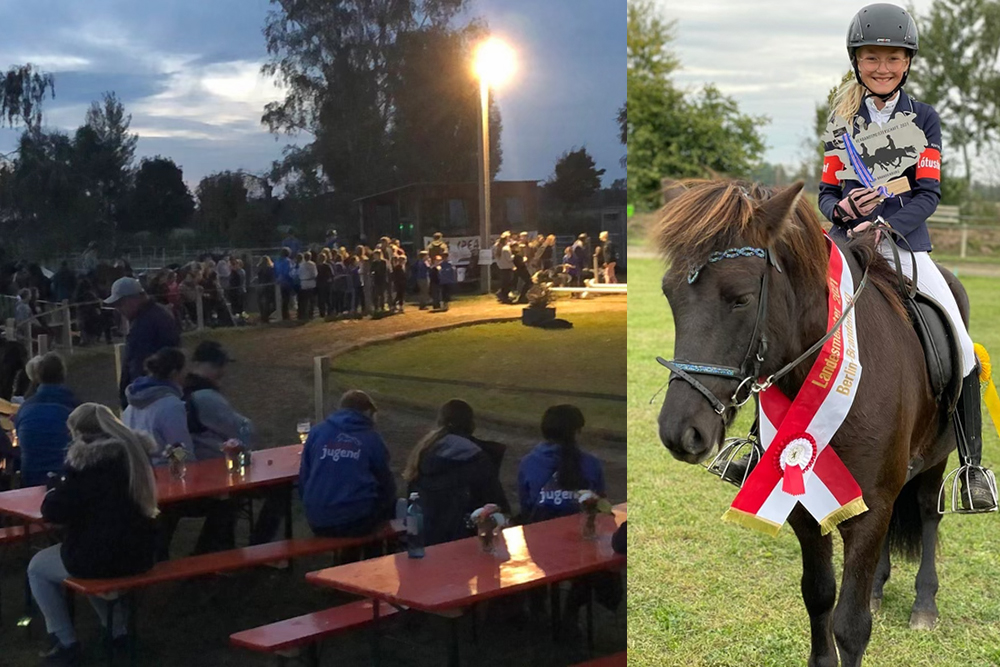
{"points": [[714, 215], [711, 215]]}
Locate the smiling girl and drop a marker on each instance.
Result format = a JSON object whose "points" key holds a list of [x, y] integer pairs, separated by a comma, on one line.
{"points": [[881, 43]]}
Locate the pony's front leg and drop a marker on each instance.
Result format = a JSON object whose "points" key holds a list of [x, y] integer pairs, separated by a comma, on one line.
{"points": [[852, 620], [819, 586]]}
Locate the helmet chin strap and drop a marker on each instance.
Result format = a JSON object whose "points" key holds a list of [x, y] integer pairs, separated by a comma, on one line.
{"points": [[887, 96]]}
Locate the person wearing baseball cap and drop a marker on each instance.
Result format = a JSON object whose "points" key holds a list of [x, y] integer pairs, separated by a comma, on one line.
{"points": [[211, 419], [151, 328]]}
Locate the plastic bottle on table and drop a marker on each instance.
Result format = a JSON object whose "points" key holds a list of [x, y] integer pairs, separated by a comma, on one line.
{"points": [[415, 527]]}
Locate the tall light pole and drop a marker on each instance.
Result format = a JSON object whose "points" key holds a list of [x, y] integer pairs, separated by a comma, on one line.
{"points": [[493, 65]]}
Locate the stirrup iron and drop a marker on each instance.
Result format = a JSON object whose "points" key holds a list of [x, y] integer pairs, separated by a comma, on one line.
{"points": [[728, 464], [952, 500]]}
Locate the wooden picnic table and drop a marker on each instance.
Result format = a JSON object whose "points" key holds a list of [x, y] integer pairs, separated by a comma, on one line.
{"points": [[456, 575], [203, 479]]}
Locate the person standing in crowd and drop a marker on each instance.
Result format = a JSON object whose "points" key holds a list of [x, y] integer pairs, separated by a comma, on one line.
{"points": [[324, 283], [452, 475], [283, 276], [296, 275], [332, 243], [437, 246], [598, 263], [151, 328], [422, 273], [63, 283], [380, 281], [398, 283], [265, 288], [106, 502], [355, 292], [550, 476], [88, 261], [447, 278], [340, 281], [610, 253], [580, 257], [236, 287], [346, 485], [41, 422], [307, 286], [505, 264], [548, 248], [224, 269], [521, 273]]}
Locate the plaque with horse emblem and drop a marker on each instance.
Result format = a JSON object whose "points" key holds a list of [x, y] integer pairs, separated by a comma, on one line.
{"points": [[887, 151]]}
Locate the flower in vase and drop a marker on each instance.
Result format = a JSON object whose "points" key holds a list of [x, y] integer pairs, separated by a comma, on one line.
{"points": [[488, 515], [592, 503]]}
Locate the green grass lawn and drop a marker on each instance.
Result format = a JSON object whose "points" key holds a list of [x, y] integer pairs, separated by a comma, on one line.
{"points": [[702, 593], [590, 357]]}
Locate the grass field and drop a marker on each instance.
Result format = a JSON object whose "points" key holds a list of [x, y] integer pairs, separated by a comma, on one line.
{"points": [[704, 593], [590, 357]]}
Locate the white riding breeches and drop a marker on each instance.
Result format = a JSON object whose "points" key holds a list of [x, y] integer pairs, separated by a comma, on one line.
{"points": [[930, 280]]}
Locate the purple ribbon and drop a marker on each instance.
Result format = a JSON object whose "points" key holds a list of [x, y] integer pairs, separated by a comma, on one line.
{"points": [[860, 168]]}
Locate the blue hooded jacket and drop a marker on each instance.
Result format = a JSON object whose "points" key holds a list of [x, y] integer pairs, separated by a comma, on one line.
{"points": [[345, 476], [283, 271], [906, 213], [538, 485], [157, 408], [42, 432]]}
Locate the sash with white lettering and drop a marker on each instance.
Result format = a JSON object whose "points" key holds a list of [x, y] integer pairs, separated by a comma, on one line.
{"points": [[798, 465]]}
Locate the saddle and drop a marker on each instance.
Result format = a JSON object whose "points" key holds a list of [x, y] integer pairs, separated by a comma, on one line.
{"points": [[935, 331]]}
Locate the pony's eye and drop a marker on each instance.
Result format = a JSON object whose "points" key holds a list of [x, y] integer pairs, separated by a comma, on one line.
{"points": [[742, 302]]}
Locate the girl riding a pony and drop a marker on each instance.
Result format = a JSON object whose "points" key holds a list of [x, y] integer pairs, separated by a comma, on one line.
{"points": [[881, 43]]}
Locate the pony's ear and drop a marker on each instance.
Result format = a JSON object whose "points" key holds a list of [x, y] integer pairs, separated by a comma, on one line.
{"points": [[772, 213], [670, 190]]}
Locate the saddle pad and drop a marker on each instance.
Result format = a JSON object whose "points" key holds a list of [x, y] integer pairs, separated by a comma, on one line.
{"points": [[940, 343]]}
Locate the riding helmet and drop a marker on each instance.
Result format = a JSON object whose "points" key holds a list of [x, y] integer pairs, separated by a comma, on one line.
{"points": [[882, 24]]}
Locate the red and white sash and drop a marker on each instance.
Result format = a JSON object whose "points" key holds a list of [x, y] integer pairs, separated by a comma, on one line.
{"points": [[798, 465]]}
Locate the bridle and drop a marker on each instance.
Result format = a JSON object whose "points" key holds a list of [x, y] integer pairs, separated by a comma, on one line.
{"points": [[747, 375]]}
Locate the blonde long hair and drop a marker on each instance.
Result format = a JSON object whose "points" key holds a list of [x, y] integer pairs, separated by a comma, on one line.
{"points": [[92, 423], [847, 99], [456, 417]]}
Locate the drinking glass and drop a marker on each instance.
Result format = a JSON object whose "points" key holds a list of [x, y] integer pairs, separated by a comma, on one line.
{"points": [[303, 430]]}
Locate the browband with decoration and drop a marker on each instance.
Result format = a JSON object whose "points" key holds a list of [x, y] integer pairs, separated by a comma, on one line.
{"points": [[731, 253]]}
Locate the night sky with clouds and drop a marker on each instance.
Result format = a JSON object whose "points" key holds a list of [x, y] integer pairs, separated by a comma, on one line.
{"points": [[188, 72], [775, 57]]}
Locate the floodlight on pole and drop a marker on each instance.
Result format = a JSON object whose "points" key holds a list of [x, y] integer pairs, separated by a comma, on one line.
{"points": [[493, 65]]}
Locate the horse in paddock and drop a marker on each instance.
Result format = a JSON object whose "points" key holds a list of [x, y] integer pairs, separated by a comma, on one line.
{"points": [[895, 439]]}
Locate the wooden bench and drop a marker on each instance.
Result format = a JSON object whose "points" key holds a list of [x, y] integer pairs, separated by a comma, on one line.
{"points": [[308, 630], [225, 561], [616, 660], [113, 590], [16, 534]]}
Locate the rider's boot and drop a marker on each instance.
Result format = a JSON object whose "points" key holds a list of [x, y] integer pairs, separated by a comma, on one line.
{"points": [[978, 488]]}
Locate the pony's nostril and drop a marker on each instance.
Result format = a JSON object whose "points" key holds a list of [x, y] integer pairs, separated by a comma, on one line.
{"points": [[691, 441]]}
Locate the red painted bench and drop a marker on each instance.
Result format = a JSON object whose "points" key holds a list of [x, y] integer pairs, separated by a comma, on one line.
{"points": [[226, 561], [15, 534], [309, 629], [214, 563], [616, 660]]}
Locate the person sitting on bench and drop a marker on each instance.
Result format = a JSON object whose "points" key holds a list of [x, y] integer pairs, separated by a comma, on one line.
{"points": [[346, 485], [107, 502]]}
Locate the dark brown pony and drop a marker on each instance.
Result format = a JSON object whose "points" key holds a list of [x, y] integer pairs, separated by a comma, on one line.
{"points": [[894, 440]]}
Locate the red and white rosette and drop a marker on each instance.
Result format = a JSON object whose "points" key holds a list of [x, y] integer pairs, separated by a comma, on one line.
{"points": [[795, 456]]}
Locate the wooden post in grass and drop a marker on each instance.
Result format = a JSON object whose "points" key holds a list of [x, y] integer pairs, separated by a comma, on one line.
{"points": [[67, 326], [279, 312], [321, 368], [43, 344], [10, 330]]}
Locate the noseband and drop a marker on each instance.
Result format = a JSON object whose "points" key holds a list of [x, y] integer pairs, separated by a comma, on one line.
{"points": [[747, 374]]}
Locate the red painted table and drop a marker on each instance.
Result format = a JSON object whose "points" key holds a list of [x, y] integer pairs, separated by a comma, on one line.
{"points": [[203, 479], [458, 574]]}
